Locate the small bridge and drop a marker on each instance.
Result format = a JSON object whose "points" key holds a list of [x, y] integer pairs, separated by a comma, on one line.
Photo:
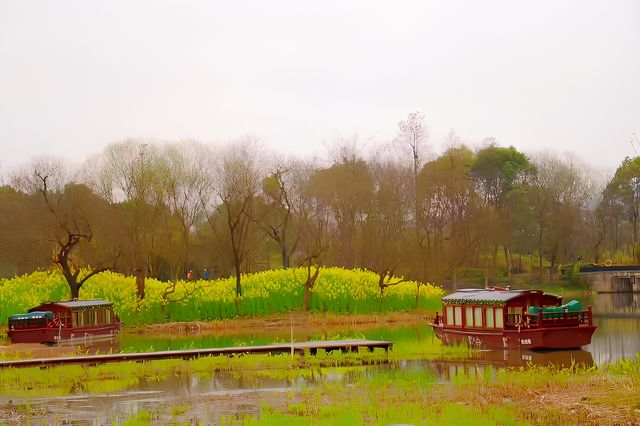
{"points": [[296, 347], [611, 279]]}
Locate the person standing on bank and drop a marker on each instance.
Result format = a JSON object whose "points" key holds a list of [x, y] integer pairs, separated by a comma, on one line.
{"points": [[205, 274]]}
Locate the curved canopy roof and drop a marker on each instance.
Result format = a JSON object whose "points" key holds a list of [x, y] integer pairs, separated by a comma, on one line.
{"points": [[76, 304], [483, 296]]}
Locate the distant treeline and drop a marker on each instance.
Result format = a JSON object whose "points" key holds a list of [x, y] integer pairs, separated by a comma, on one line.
{"points": [[162, 210]]}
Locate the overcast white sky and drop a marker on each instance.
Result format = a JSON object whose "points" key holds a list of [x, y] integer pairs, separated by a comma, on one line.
{"points": [[78, 75]]}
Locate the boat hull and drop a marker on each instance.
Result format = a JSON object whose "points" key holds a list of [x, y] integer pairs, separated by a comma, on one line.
{"points": [[526, 338], [62, 335]]}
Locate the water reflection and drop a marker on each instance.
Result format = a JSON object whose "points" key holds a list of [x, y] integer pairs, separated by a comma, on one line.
{"points": [[223, 394], [617, 316], [616, 304]]}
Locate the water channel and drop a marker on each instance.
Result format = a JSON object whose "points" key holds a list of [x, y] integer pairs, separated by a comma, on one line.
{"points": [[235, 393]]}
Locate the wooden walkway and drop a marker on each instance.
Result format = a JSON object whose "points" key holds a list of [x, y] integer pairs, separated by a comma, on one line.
{"points": [[297, 347]]}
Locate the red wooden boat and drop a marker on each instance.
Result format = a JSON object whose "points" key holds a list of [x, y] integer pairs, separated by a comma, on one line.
{"points": [[513, 319], [65, 322]]}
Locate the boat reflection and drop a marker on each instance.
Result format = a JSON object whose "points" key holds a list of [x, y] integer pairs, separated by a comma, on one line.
{"points": [[488, 362], [555, 358], [96, 347], [84, 347]]}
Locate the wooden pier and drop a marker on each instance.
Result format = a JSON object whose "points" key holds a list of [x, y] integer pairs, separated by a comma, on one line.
{"points": [[296, 347]]}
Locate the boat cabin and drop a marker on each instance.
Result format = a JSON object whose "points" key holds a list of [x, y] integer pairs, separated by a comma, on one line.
{"points": [[502, 308], [79, 313], [67, 321], [35, 319]]}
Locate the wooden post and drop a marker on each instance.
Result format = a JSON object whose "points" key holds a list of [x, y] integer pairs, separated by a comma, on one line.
{"points": [[291, 316]]}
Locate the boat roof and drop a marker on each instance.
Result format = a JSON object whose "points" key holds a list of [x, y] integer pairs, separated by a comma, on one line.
{"points": [[31, 315], [78, 304], [486, 296]]}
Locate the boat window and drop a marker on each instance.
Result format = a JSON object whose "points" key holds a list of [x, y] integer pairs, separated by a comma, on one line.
{"points": [[499, 318], [489, 317], [458, 315], [75, 319], [108, 312], [477, 316], [468, 316], [514, 315], [449, 315], [89, 316]]}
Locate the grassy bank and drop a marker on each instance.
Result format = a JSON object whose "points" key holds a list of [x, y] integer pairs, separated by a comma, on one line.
{"points": [[336, 291], [538, 395]]}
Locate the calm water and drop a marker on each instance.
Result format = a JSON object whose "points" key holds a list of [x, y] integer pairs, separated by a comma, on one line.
{"points": [[617, 316], [236, 393], [617, 336]]}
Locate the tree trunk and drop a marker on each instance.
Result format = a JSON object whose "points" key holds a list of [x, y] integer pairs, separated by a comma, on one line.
{"points": [[140, 275], [381, 277], [541, 268], [520, 263], [494, 261], [285, 255], [486, 274], [238, 287], [507, 261], [454, 280], [74, 288], [554, 259], [308, 286], [634, 233], [305, 300]]}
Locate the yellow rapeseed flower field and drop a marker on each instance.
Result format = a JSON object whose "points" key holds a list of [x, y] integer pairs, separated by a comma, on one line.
{"points": [[336, 290]]}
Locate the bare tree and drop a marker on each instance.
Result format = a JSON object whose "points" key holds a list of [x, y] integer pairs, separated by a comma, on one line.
{"points": [[127, 173], [233, 189], [561, 189], [448, 204], [183, 177], [384, 239], [313, 216], [413, 136], [277, 217], [70, 212]]}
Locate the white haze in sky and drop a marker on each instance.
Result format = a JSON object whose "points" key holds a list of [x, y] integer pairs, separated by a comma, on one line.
{"points": [[78, 75]]}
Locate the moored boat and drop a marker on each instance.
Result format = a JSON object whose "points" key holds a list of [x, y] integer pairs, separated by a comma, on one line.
{"points": [[65, 322], [513, 319]]}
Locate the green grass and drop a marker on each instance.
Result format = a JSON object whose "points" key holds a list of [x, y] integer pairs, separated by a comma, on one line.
{"points": [[504, 397], [63, 380], [381, 396]]}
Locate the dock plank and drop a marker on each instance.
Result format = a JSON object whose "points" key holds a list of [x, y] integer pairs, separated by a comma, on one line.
{"points": [[297, 347]]}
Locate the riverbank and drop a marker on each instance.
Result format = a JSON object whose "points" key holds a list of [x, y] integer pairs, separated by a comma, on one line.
{"points": [[295, 320], [603, 396], [269, 390]]}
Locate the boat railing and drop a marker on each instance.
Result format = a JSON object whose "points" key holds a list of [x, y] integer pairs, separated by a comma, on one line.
{"points": [[558, 319]]}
